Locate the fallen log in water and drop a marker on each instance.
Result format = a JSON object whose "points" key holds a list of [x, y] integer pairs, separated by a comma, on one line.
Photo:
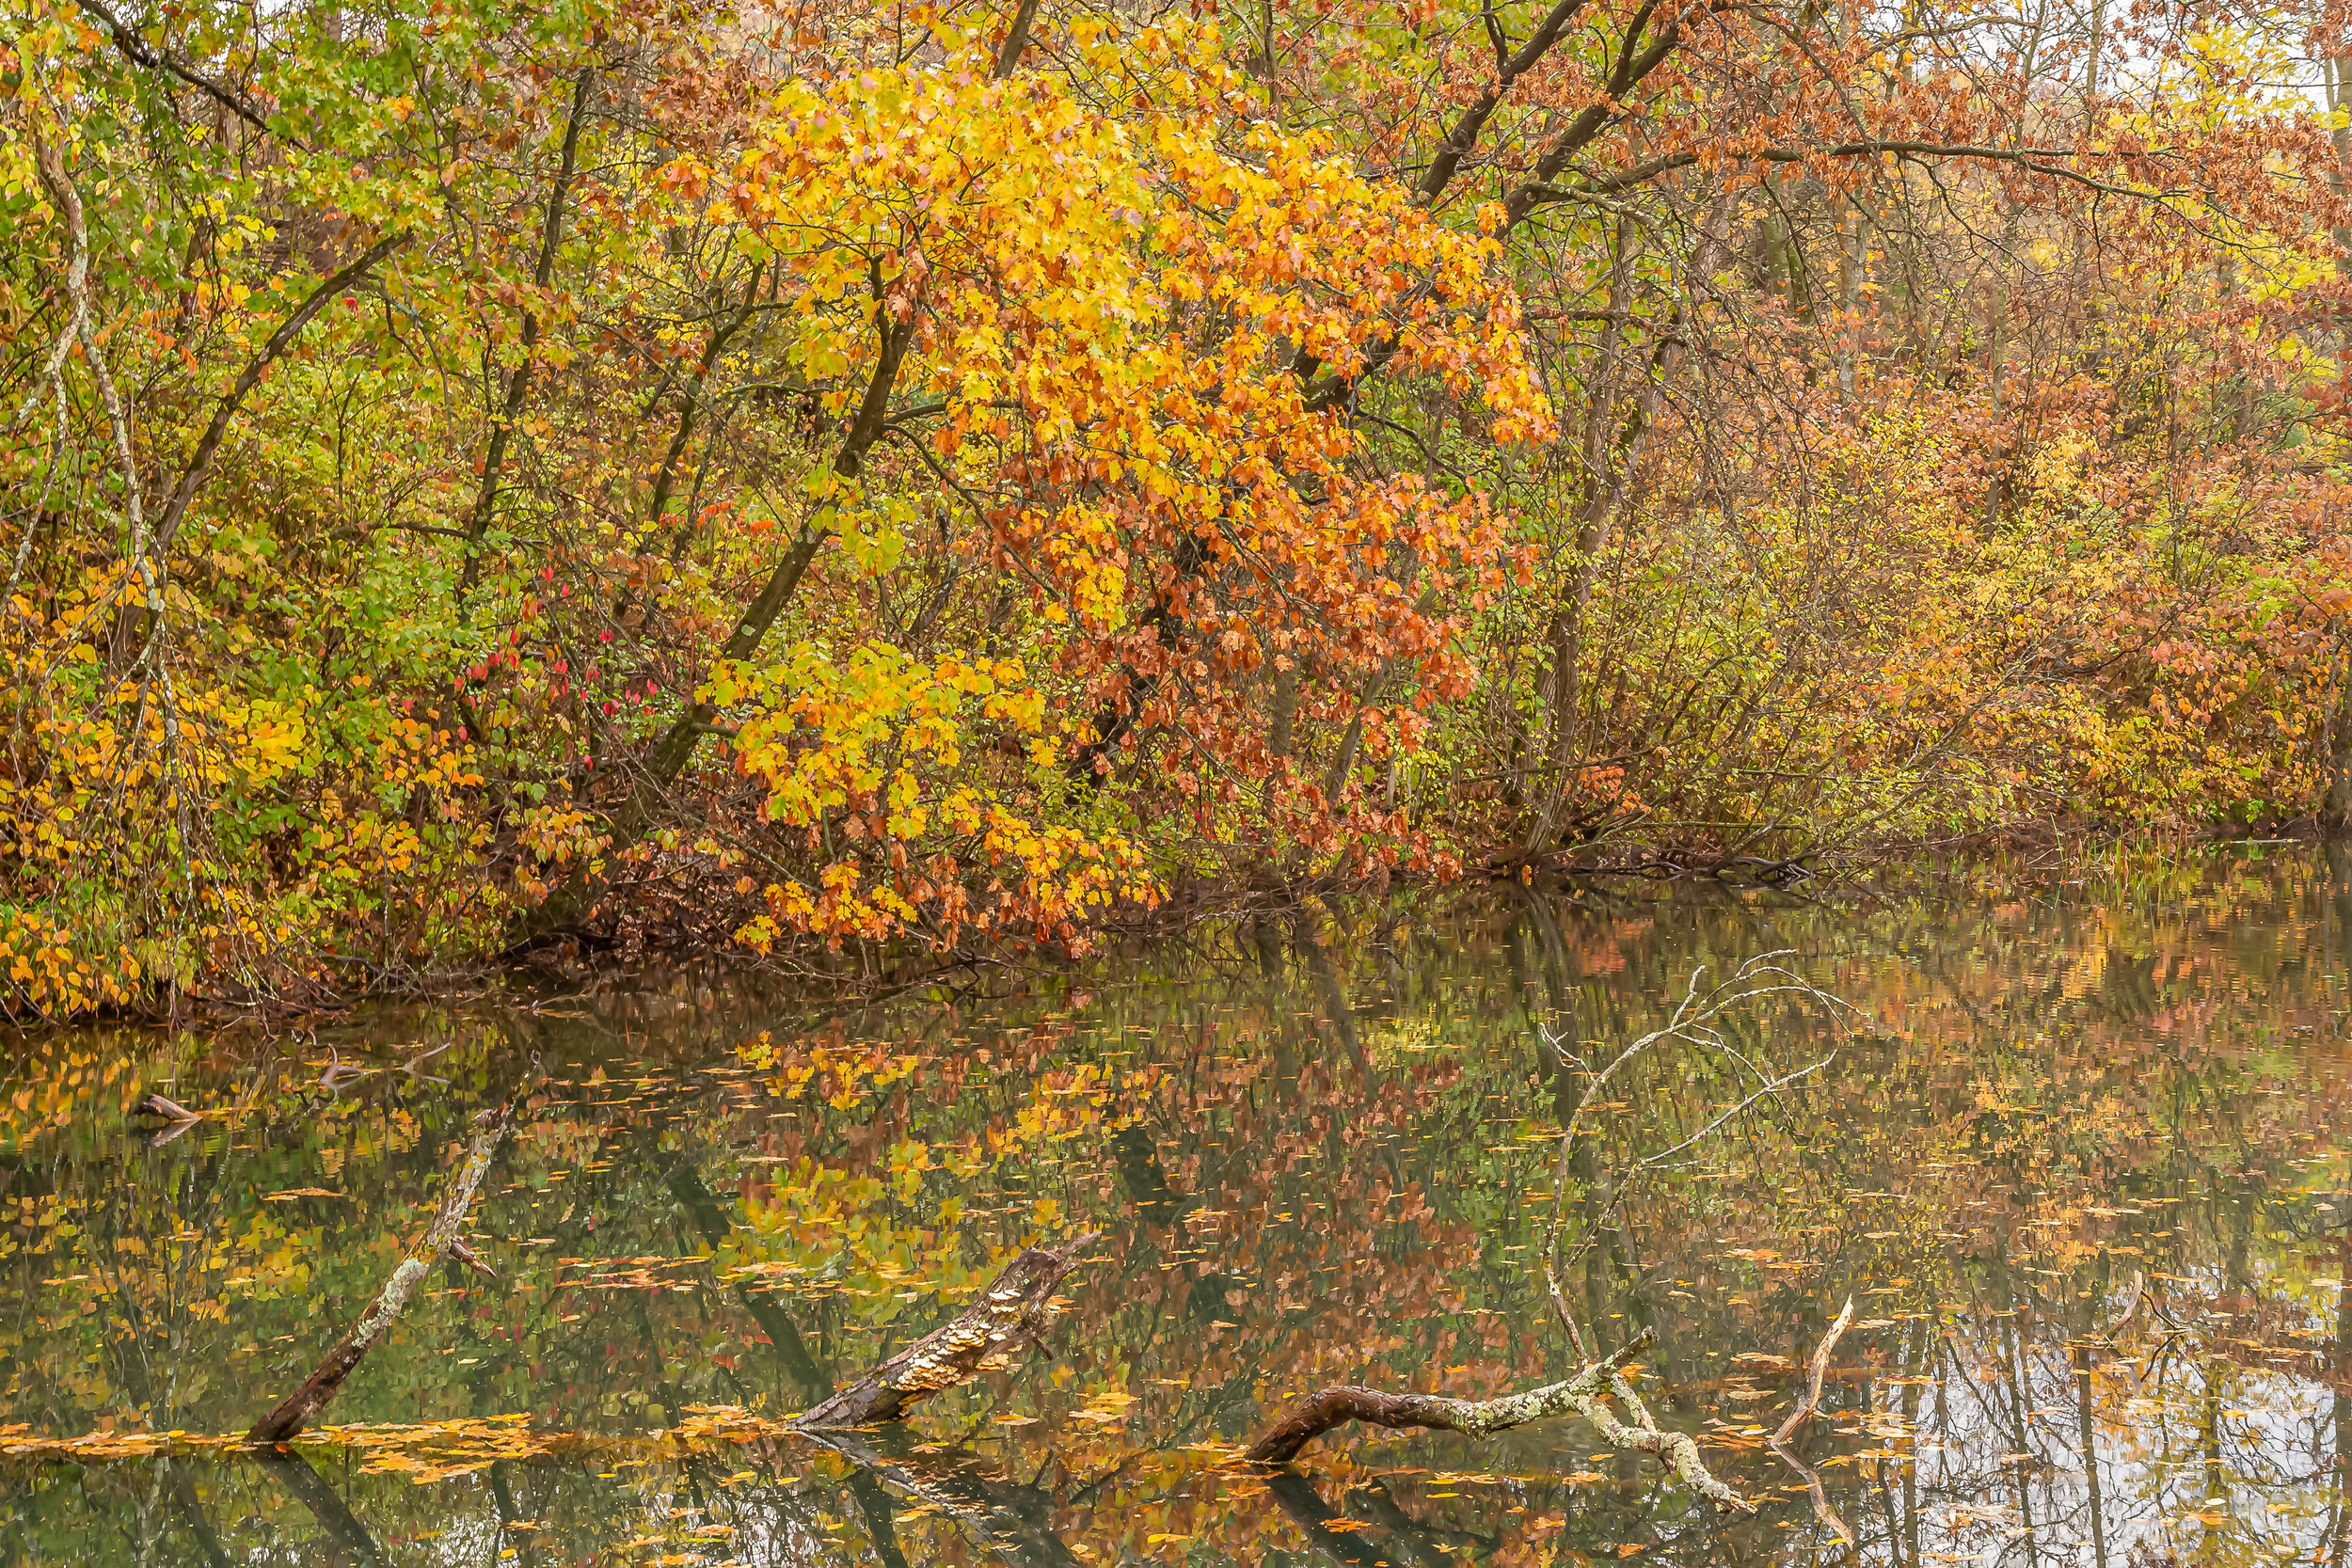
{"points": [[292, 1412], [1587, 1394], [1012, 1312]]}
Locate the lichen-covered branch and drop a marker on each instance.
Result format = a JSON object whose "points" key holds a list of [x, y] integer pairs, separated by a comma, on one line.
{"points": [[1587, 1394], [292, 1412], [1012, 1312]]}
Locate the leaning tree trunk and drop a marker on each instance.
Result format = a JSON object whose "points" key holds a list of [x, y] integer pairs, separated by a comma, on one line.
{"points": [[1010, 1314], [2335, 802], [294, 1411]]}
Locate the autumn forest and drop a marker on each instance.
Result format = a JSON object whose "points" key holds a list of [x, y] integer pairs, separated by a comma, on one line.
{"points": [[871, 486], [1401, 784]]}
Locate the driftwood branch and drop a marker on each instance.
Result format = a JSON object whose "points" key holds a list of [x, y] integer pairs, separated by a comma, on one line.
{"points": [[296, 1408], [1011, 1313], [1806, 1407], [1587, 1394], [1601, 1390], [1821, 1353]]}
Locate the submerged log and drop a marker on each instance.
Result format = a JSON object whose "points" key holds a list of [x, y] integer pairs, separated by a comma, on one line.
{"points": [[1011, 1521], [1587, 1394], [1012, 1312], [347, 1539], [1819, 1367], [292, 1412]]}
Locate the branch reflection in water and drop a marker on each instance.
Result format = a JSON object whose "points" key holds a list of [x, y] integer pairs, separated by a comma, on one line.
{"points": [[2079, 1163]]}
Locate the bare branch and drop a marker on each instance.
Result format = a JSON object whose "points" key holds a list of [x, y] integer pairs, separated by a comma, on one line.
{"points": [[169, 59]]}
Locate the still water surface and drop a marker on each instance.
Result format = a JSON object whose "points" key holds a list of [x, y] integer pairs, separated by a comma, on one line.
{"points": [[2082, 1166]]}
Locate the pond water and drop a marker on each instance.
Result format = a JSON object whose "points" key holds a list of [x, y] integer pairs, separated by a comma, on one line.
{"points": [[2079, 1158]]}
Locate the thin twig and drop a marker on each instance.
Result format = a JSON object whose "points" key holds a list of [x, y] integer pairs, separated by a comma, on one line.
{"points": [[1821, 1351]]}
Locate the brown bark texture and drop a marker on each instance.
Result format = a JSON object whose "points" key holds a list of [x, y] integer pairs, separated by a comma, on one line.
{"points": [[1011, 1313]]}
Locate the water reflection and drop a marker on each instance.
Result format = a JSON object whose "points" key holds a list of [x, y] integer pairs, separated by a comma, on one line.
{"points": [[2085, 1177]]}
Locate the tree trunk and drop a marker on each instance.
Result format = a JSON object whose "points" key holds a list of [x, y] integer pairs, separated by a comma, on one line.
{"points": [[519, 384], [1011, 1313], [2335, 805]]}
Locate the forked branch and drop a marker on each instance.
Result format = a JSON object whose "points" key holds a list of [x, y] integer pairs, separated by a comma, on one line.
{"points": [[1821, 1354], [1806, 1407], [1694, 1022], [1587, 1394]]}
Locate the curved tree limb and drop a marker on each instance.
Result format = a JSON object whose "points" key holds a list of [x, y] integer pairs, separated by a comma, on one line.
{"points": [[1821, 1351], [49, 163], [138, 52], [250, 377], [1806, 1407], [1587, 1394]]}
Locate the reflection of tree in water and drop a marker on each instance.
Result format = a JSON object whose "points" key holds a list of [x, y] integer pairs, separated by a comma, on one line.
{"points": [[1312, 1133]]}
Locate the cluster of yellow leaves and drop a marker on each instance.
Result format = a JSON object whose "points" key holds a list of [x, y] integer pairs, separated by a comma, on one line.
{"points": [[1108, 289], [1084, 1101], [41, 972], [111, 801], [843, 1075], [879, 736], [831, 729]]}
